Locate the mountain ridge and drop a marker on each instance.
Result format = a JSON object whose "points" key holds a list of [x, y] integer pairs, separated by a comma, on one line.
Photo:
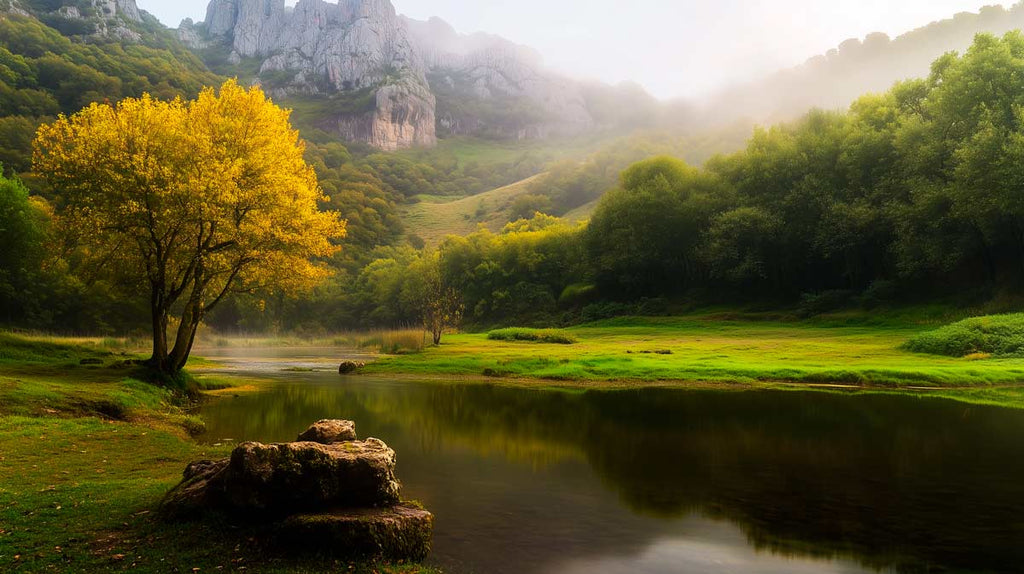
{"points": [[410, 78]]}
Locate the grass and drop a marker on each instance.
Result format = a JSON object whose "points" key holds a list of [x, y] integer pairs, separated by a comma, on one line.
{"points": [[21, 348], [583, 212], [552, 336], [719, 348], [975, 338], [395, 341], [86, 454], [433, 220], [388, 341]]}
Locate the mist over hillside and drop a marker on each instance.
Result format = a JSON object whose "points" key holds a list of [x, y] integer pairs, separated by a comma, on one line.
{"points": [[857, 66]]}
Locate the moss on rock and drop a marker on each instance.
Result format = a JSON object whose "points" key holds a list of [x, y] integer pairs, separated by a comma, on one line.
{"points": [[400, 532]]}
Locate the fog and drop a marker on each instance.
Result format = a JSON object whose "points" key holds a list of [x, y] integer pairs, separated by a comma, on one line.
{"points": [[672, 48]]}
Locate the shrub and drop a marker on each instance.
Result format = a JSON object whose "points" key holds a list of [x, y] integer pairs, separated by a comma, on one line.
{"points": [[395, 342], [605, 310], [996, 335], [645, 307], [554, 336], [812, 304], [577, 294], [880, 292]]}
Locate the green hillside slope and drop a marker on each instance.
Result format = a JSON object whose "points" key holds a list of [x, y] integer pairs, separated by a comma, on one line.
{"points": [[48, 67], [433, 218]]}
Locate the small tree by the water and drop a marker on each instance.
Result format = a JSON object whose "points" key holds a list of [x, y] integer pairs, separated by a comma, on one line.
{"points": [[440, 303], [187, 202]]}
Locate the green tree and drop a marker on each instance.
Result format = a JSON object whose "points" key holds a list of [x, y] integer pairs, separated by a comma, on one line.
{"points": [[23, 233]]}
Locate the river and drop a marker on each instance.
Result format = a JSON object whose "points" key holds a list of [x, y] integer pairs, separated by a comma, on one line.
{"points": [[644, 481]]}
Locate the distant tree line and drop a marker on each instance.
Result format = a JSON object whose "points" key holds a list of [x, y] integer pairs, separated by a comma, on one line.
{"points": [[911, 194]]}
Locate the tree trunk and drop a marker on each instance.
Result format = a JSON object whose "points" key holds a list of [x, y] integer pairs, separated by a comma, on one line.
{"points": [[158, 360], [185, 338]]}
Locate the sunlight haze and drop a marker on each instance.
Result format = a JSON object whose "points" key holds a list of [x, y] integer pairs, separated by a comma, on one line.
{"points": [[655, 41], [648, 287]]}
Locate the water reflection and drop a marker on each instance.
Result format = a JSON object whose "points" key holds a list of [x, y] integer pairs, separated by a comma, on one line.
{"points": [[658, 480]]}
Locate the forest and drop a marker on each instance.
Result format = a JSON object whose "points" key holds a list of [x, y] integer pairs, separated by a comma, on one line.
{"points": [[910, 195]]}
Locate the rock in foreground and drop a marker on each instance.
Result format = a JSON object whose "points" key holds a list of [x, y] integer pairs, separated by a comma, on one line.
{"points": [[282, 479], [328, 491], [299, 476], [400, 532]]}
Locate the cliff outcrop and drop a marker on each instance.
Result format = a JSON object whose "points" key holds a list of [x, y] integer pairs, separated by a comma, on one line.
{"points": [[337, 50]]}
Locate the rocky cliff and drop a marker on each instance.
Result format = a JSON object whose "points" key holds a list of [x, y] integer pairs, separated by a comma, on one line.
{"points": [[97, 19], [480, 78], [391, 81], [355, 49]]}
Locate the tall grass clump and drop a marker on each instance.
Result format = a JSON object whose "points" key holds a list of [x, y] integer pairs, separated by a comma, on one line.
{"points": [[395, 342], [996, 335], [554, 336]]}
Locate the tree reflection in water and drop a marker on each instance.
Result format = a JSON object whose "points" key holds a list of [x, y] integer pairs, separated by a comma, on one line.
{"points": [[537, 478]]}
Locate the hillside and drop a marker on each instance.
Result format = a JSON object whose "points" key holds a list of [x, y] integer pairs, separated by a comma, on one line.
{"points": [[433, 218], [835, 79], [583, 212], [56, 58]]}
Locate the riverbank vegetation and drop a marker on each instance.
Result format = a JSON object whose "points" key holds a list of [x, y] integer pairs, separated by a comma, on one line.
{"points": [[86, 454], [719, 348], [978, 337], [553, 336]]}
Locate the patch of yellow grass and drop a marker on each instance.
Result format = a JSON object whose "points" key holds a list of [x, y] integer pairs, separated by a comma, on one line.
{"points": [[434, 221]]}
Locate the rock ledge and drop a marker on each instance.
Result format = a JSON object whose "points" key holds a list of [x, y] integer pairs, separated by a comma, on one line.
{"points": [[325, 491]]}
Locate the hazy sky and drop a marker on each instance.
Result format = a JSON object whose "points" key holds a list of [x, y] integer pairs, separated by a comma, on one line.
{"points": [[671, 47]]}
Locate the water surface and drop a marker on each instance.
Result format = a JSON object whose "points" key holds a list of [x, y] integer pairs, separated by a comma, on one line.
{"points": [[534, 481]]}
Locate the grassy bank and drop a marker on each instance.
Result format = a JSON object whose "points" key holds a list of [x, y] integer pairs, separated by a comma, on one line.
{"points": [[717, 348], [87, 452]]}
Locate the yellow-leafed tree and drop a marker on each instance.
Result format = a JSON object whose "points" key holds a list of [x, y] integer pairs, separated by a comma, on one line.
{"points": [[190, 201]]}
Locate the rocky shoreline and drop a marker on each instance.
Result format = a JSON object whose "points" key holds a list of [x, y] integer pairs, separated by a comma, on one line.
{"points": [[327, 492]]}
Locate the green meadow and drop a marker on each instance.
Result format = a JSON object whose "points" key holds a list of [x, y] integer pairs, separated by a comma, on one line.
{"points": [[87, 451], [718, 349]]}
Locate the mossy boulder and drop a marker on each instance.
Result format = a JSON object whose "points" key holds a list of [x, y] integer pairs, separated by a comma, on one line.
{"points": [[400, 532], [299, 476], [326, 493], [197, 492], [329, 432], [349, 367], [283, 479]]}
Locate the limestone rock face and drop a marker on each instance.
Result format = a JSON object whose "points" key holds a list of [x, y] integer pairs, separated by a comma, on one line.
{"points": [[189, 35], [129, 9], [403, 117], [221, 16], [335, 50], [124, 8], [493, 69], [414, 77], [109, 19]]}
